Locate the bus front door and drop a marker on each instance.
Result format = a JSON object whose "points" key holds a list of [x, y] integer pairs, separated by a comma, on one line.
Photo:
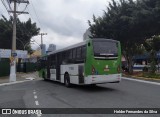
{"points": [[58, 63]]}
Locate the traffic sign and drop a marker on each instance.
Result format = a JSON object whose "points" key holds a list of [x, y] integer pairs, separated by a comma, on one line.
{"points": [[6, 53], [14, 54]]}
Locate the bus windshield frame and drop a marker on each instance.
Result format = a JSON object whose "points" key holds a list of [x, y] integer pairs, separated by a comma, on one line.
{"points": [[105, 49]]}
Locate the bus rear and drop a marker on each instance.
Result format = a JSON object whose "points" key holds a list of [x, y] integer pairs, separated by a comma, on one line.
{"points": [[103, 61]]}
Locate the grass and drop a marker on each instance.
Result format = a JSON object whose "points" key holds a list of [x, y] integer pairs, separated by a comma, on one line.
{"points": [[144, 75], [151, 75]]}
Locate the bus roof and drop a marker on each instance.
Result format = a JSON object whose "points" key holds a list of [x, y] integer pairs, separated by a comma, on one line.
{"points": [[69, 47], [78, 44]]}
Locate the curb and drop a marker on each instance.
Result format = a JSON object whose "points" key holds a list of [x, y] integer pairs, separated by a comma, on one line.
{"points": [[145, 78], [142, 78], [143, 81], [10, 83]]}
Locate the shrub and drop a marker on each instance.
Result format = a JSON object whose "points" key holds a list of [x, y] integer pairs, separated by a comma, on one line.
{"points": [[145, 69]]}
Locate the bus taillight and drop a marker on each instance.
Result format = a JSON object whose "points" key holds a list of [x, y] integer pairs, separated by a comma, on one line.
{"points": [[93, 70]]}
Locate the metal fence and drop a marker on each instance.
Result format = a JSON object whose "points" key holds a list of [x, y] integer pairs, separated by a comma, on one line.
{"points": [[23, 67], [26, 67], [4, 67]]}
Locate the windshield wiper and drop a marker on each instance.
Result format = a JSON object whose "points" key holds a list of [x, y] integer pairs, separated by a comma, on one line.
{"points": [[100, 57], [105, 55]]}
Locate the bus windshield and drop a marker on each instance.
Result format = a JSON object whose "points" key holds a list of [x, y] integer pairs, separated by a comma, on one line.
{"points": [[105, 48]]}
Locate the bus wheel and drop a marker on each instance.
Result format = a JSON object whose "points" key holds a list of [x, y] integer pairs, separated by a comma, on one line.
{"points": [[67, 80]]}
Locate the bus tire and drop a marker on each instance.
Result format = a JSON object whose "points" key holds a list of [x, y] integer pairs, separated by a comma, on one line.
{"points": [[67, 80]]}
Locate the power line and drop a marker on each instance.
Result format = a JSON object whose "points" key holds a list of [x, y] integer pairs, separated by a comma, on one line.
{"points": [[22, 31], [30, 14], [8, 1], [18, 26], [28, 33], [5, 6], [36, 15], [40, 26], [9, 26], [1, 11], [24, 9]]}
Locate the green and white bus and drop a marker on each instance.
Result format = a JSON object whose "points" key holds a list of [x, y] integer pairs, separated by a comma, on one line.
{"points": [[93, 61]]}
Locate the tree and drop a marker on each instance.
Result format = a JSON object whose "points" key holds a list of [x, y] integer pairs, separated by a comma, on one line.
{"points": [[5, 33], [129, 22], [152, 46], [25, 31]]}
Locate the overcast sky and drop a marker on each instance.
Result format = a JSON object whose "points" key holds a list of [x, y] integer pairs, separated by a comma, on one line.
{"points": [[65, 21]]}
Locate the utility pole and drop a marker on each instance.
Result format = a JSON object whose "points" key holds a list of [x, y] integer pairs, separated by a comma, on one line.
{"points": [[42, 34], [13, 52]]}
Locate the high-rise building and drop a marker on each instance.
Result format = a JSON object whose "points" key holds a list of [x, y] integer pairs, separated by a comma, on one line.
{"points": [[43, 49], [52, 47]]}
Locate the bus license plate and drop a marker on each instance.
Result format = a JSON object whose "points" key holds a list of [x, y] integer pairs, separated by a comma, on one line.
{"points": [[106, 69]]}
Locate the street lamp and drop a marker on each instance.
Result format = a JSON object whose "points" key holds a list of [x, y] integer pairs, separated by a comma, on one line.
{"points": [[27, 44], [21, 42], [24, 45], [36, 43]]}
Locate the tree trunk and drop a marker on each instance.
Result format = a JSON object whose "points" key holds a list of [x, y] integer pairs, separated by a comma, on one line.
{"points": [[153, 62], [130, 65]]}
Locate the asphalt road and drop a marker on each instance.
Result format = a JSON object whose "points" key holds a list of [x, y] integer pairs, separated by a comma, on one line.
{"points": [[49, 94]]}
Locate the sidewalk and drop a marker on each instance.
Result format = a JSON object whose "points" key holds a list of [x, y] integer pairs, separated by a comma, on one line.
{"points": [[20, 77]]}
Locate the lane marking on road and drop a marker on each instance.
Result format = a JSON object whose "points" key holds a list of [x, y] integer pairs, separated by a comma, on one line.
{"points": [[37, 103], [143, 81], [35, 97]]}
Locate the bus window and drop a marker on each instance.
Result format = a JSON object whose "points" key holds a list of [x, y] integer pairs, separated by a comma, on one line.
{"points": [[53, 61], [70, 54], [74, 53], [42, 62], [83, 52], [79, 52]]}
